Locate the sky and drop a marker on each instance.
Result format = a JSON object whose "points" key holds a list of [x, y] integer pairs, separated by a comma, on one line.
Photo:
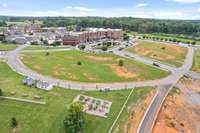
{"points": [[161, 9]]}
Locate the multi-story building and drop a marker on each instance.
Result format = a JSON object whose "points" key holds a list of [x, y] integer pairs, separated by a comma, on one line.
{"points": [[92, 34]]}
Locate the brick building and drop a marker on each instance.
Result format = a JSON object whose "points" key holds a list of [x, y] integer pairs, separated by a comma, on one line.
{"points": [[92, 34]]}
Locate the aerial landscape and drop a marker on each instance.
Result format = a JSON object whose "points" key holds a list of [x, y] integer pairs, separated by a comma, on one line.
{"points": [[100, 66]]}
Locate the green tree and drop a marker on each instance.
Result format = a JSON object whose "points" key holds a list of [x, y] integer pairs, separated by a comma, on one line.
{"points": [[193, 43], [47, 53], [104, 48], [75, 121], [1, 92], [121, 63], [14, 122], [126, 37], [79, 63], [82, 47]]}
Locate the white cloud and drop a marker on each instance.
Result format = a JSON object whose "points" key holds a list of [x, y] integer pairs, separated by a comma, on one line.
{"points": [[83, 9], [4, 5], [107, 12], [185, 1], [79, 8], [141, 5], [46, 13]]}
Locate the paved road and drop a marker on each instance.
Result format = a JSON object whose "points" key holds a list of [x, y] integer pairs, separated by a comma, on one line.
{"points": [[147, 61], [150, 116], [48, 50], [15, 63], [193, 74]]}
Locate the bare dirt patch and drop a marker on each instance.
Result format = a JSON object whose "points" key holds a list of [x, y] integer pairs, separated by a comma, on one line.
{"points": [[177, 116], [175, 48], [62, 72], [89, 76], [37, 67], [96, 58], [153, 54], [137, 114], [122, 71]]}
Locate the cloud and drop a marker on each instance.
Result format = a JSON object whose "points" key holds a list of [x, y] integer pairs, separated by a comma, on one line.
{"points": [[107, 12], [80, 8], [45, 13], [4, 5], [185, 1], [141, 5]]}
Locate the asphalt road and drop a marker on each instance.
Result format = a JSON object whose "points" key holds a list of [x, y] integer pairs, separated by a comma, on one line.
{"points": [[15, 63], [164, 85], [150, 116], [148, 121]]}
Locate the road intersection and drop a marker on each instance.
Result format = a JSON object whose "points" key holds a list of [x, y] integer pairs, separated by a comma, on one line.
{"points": [[163, 85]]}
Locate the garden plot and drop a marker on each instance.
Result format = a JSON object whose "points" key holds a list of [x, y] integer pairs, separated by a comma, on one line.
{"points": [[94, 106]]}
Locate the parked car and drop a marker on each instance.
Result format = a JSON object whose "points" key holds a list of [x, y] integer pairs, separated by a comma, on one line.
{"points": [[155, 64]]}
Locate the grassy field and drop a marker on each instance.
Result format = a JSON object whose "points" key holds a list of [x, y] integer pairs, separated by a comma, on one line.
{"points": [[196, 61], [49, 118], [7, 47], [95, 67], [38, 47], [171, 54]]}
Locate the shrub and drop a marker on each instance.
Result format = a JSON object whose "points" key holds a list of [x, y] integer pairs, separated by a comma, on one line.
{"points": [[79, 63], [14, 122], [121, 63], [104, 48], [1, 92], [47, 53], [82, 47], [193, 43]]}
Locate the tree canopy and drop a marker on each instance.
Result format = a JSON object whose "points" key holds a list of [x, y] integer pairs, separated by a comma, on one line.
{"points": [[74, 122]]}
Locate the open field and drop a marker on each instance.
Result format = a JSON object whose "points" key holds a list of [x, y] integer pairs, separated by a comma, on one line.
{"points": [[171, 54], [94, 68], [49, 118], [196, 61], [36, 47], [7, 47]]}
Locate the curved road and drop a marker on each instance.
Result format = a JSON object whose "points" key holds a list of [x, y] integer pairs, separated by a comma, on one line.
{"points": [[164, 84], [13, 60]]}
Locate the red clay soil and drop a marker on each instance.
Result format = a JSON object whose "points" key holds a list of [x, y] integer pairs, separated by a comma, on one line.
{"points": [[138, 112], [177, 116]]}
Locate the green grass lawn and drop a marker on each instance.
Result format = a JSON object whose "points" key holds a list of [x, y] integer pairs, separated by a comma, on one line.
{"points": [[171, 54], [7, 47], [196, 61], [95, 67], [38, 47], [49, 118]]}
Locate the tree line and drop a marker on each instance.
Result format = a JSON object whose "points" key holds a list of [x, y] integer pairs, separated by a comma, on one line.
{"points": [[189, 27]]}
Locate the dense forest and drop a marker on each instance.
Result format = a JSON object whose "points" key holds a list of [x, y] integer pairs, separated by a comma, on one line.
{"points": [[188, 27]]}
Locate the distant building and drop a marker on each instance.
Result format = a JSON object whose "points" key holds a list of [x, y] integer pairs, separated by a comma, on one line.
{"points": [[92, 34]]}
